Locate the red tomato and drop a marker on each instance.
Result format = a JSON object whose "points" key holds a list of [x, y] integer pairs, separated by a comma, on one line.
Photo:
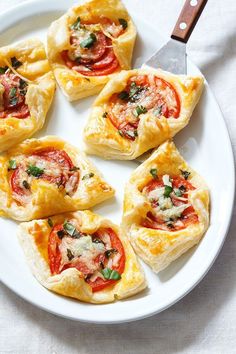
{"points": [[15, 108], [188, 216], [54, 256]]}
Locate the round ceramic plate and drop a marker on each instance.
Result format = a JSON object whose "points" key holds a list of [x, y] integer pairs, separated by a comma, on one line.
{"points": [[204, 143]]}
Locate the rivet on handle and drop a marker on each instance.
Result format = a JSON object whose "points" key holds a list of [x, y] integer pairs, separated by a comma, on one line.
{"points": [[182, 25], [193, 2]]}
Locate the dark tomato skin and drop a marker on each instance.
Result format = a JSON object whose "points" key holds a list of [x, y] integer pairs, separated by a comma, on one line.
{"points": [[54, 256]]}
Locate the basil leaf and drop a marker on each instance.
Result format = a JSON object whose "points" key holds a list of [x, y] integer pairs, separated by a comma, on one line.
{"points": [[105, 115], [182, 189], [74, 168], [123, 23], [110, 274], [15, 63], [69, 228], [34, 171], [12, 165], [76, 24], [120, 132], [69, 254], [50, 223], [23, 84], [13, 101], [139, 110], [88, 42], [153, 172], [12, 92], [26, 184], [123, 95], [87, 176], [3, 70], [61, 234], [185, 174], [167, 191]]}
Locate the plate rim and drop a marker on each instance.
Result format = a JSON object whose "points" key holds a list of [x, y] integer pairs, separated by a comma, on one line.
{"points": [[51, 6]]}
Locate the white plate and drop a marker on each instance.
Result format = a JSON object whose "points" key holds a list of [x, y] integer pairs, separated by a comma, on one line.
{"points": [[204, 144]]}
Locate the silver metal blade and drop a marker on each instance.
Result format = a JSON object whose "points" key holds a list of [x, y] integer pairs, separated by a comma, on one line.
{"points": [[171, 57]]}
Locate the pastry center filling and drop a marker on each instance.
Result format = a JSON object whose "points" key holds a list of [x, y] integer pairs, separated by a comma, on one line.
{"points": [[144, 94]]}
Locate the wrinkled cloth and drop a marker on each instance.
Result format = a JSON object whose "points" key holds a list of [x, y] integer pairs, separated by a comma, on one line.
{"points": [[205, 320]]}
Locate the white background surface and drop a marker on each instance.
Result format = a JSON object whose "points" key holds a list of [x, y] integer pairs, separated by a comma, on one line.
{"points": [[205, 320]]}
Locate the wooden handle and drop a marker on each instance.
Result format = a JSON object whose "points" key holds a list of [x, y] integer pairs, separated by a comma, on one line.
{"points": [[187, 19]]}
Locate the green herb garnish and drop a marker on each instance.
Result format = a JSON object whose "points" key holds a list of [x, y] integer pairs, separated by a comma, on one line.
{"points": [[185, 174], [153, 172], [12, 92], [157, 111], [88, 42], [15, 63], [74, 168], [110, 274], [105, 115], [69, 228], [168, 190], [26, 184], [34, 171], [76, 24], [139, 110], [69, 254], [120, 132], [13, 100], [87, 176], [123, 23], [23, 87], [123, 95], [50, 223], [12, 165], [178, 192], [182, 189], [3, 70]]}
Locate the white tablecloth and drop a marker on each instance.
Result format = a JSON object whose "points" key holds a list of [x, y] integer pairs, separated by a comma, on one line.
{"points": [[205, 320]]}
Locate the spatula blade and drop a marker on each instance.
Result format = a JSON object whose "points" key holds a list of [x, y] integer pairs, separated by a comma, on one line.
{"points": [[171, 57]]}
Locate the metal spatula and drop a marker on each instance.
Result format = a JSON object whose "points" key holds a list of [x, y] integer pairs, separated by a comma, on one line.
{"points": [[172, 56]]}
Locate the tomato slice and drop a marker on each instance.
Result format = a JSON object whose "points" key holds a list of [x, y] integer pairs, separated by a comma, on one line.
{"points": [[60, 157], [13, 98], [188, 216], [143, 92], [55, 257]]}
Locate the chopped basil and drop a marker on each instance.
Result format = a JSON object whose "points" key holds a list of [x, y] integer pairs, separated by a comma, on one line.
{"points": [[69, 228], [178, 192], [74, 168], [12, 165], [153, 172], [120, 132], [87, 176], [105, 115], [15, 63], [26, 184], [61, 234], [157, 111], [108, 253], [13, 100], [76, 24], [88, 42], [50, 223], [23, 87], [185, 174], [123, 95], [167, 191], [134, 92], [69, 254], [3, 70], [34, 171], [110, 274], [123, 23], [139, 110], [12, 92]]}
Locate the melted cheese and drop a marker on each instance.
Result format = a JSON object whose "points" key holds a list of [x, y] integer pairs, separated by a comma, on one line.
{"points": [[173, 213], [1, 97]]}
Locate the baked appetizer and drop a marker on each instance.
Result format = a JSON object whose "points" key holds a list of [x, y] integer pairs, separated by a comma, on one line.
{"points": [[88, 44], [82, 255], [166, 207], [26, 91], [42, 177], [138, 110]]}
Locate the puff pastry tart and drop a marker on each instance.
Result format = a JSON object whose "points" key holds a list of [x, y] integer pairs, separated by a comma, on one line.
{"points": [[26, 91], [166, 207], [82, 255], [42, 177], [88, 44], [138, 110]]}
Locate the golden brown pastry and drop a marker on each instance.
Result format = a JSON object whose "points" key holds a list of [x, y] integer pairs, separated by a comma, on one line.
{"points": [[26, 91], [82, 255], [166, 207], [88, 44], [138, 110], [42, 177]]}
